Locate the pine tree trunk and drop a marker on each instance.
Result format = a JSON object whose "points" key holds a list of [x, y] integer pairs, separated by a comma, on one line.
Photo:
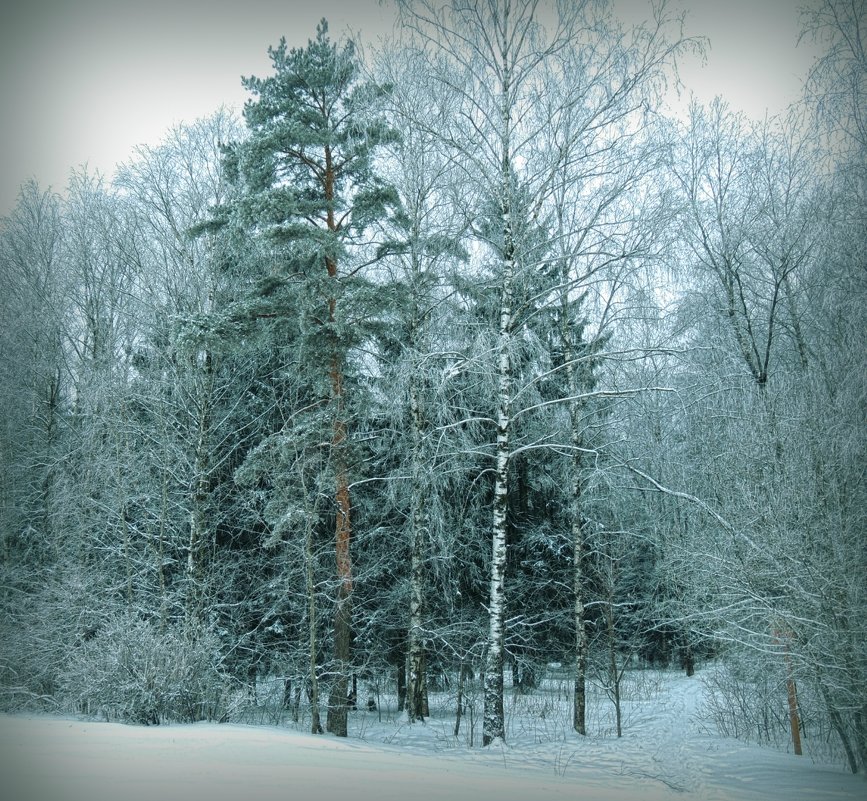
{"points": [[791, 695], [338, 707], [336, 721], [794, 717], [337, 718]]}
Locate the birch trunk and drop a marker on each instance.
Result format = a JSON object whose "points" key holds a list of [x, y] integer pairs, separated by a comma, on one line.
{"points": [[494, 724], [579, 721], [494, 718], [494, 715]]}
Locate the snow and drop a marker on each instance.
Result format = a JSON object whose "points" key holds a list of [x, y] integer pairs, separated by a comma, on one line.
{"points": [[666, 753]]}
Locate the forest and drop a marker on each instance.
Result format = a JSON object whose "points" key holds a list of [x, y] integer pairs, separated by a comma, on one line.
{"points": [[446, 364]]}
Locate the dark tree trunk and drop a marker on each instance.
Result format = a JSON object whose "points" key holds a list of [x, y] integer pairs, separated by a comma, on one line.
{"points": [[401, 686], [689, 660], [337, 718], [462, 678]]}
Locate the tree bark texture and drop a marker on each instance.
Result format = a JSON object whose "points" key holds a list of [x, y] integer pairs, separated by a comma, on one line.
{"points": [[336, 722], [494, 715], [415, 697], [312, 668], [574, 374], [199, 499]]}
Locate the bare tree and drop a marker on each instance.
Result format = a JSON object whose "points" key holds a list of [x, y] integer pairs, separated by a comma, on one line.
{"points": [[171, 189], [547, 99]]}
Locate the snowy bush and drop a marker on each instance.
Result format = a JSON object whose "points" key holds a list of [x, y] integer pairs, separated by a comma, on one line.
{"points": [[36, 631], [132, 671], [258, 702], [746, 698], [28, 671]]}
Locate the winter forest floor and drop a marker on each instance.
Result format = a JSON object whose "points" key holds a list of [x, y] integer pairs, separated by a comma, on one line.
{"points": [[667, 752]]}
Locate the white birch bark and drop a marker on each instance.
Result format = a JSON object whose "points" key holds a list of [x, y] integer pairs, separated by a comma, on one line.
{"points": [[494, 716]]}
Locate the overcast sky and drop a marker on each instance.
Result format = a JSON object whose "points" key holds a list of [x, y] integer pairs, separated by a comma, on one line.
{"points": [[85, 81]]}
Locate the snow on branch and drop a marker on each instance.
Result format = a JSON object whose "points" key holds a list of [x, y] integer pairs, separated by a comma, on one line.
{"points": [[620, 393]]}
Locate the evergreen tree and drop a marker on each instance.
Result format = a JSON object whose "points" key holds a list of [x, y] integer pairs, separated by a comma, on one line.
{"points": [[308, 189]]}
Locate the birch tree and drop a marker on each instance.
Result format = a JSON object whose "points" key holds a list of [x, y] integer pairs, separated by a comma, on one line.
{"points": [[489, 55], [751, 209], [551, 99]]}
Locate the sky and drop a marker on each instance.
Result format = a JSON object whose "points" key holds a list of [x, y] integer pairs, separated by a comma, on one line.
{"points": [[86, 81]]}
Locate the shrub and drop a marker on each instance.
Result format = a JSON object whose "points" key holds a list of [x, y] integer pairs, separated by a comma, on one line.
{"points": [[746, 698], [132, 671]]}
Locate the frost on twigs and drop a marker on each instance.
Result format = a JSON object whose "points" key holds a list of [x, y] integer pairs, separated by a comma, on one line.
{"points": [[132, 671]]}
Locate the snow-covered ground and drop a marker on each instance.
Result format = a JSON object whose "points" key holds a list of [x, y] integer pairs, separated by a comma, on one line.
{"points": [[665, 753]]}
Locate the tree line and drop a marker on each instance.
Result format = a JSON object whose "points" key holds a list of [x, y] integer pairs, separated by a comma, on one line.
{"points": [[459, 358]]}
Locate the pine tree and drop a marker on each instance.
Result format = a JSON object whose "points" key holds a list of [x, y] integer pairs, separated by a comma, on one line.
{"points": [[308, 187]]}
